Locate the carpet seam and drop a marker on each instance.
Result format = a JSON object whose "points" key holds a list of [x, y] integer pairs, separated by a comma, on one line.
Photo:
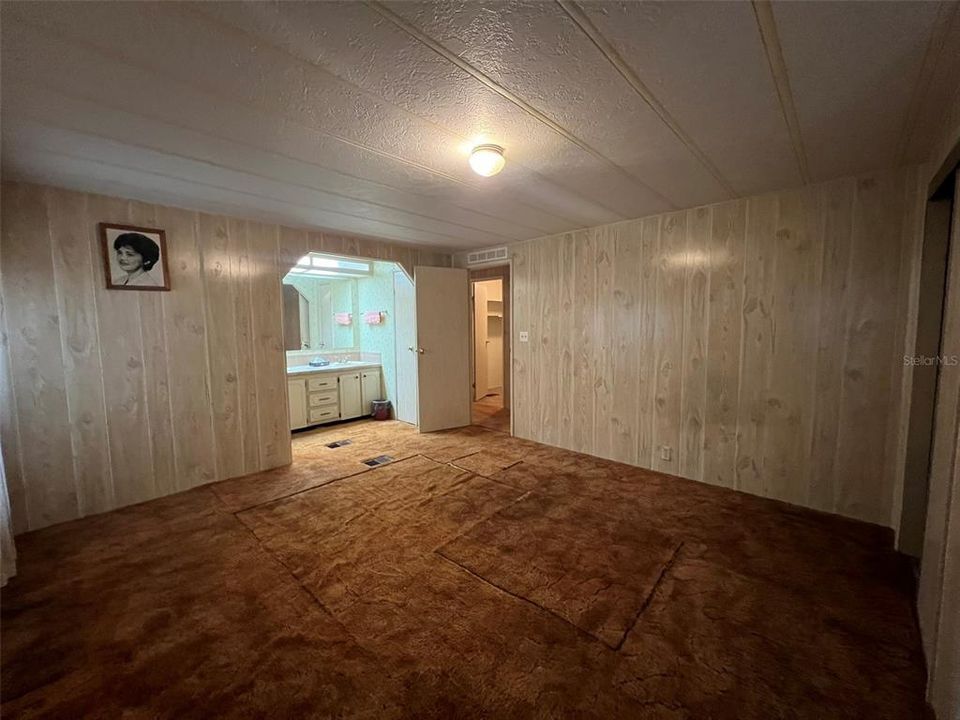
{"points": [[276, 558], [526, 600], [474, 472], [649, 599], [524, 494], [329, 482]]}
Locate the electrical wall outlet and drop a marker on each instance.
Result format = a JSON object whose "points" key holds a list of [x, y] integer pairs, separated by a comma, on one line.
{"points": [[524, 336], [666, 452]]}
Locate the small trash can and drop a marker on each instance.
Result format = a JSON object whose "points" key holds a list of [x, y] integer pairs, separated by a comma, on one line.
{"points": [[381, 409]]}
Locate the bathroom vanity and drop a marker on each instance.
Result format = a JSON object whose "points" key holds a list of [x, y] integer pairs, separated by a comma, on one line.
{"points": [[339, 391]]}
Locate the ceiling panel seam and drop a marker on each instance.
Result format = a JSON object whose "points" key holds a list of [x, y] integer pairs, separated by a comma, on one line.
{"points": [[767, 25], [947, 13], [114, 55], [503, 92], [311, 188], [243, 213], [260, 40], [215, 186], [610, 53]]}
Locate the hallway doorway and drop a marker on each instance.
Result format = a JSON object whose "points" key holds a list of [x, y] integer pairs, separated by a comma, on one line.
{"points": [[490, 374]]}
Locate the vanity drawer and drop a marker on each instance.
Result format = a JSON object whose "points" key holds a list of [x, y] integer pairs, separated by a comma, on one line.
{"points": [[325, 397], [323, 414], [322, 383]]}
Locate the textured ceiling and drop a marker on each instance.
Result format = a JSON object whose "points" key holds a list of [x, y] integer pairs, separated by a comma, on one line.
{"points": [[359, 117]]}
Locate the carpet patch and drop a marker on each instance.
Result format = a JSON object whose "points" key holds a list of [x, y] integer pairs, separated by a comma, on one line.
{"points": [[750, 645], [594, 571]]}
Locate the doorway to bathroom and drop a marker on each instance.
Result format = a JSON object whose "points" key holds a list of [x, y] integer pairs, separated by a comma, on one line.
{"points": [[490, 366], [340, 319], [364, 338]]}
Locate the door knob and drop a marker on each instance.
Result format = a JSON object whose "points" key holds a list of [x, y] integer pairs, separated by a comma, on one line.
{"points": [[410, 348], [420, 350]]}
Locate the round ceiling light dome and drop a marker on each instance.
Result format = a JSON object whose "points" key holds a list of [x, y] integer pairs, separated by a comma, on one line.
{"points": [[487, 160]]}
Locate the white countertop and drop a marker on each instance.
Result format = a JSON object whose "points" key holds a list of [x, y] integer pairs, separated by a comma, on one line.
{"points": [[332, 367]]}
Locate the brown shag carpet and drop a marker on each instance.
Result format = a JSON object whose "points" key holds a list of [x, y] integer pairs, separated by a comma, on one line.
{"points": [[477, 575]]}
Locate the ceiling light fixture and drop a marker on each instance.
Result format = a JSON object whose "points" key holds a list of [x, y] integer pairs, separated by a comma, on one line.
{"points": [[487, 160]]}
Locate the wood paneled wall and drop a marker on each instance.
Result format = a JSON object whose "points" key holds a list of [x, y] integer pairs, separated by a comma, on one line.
{"points": [[761, 340], [114, 398]]}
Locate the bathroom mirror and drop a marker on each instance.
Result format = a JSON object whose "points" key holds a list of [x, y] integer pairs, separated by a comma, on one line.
{"points": [[296, 319], [319, 314]]}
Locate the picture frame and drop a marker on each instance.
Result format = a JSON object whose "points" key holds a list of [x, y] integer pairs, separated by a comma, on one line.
{"points": [[134, 257]]}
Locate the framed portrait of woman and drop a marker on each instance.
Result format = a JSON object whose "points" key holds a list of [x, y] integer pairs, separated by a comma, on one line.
{"points": [[134, 258]]}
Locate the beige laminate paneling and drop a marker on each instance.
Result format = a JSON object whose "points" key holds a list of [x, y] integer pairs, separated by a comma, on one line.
{"points": [[156, 373], [867, 393], [606, 422], [73, 263], [757, 337], [693, 392], [116, 397], [35, 346], [724, 303], [585, 354], [560, 374], [649, 231], [627, 249], [238, 247], [668, 339], [222, 298], [836, 223], [760, 339], [9, 429]]}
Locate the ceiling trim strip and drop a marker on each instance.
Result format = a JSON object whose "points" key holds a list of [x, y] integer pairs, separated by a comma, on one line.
{"points": [[607, 49], [767, 24], [947, 13], [503, 92]]}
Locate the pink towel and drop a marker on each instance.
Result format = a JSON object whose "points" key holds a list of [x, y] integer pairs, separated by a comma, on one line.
{"points": [[343, 318], [373, 317]]}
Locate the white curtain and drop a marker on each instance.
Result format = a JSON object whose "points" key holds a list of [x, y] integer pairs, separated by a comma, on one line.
{"points": [[8, 553]]}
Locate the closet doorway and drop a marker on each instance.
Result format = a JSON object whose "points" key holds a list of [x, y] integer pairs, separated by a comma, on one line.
{"points": [[490, 371]]}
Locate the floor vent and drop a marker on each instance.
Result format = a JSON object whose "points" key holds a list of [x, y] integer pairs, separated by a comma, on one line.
{"points": [[484, 256], [378, 460], [338, 443]]}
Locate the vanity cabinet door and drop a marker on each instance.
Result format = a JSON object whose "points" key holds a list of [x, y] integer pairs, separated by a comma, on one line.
{"points": [[350, 397], [297, 394], [370, 389]]}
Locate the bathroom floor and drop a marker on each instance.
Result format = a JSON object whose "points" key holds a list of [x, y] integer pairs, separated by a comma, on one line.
{"points": [[474, 575]]}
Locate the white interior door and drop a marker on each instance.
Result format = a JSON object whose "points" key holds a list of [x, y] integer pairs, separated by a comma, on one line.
{"points": [[480, 362], [443, 347], [405, 309]]}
